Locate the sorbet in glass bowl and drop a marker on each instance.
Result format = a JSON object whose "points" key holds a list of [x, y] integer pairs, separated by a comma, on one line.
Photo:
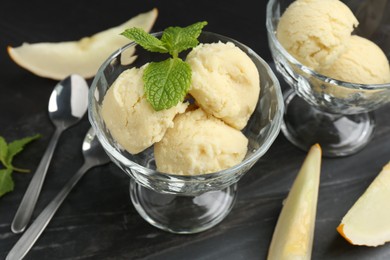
{"points": [[186, 203]]}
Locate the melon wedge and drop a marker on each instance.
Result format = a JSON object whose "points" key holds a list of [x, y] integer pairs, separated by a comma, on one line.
{"points": [[84, 57], [294, 231], [368, 221]]}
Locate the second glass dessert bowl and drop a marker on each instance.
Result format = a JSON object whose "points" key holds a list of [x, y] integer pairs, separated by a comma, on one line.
{"points": [[324, 110], [179, 203]]}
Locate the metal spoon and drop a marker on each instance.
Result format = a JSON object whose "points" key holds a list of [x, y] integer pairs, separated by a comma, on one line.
{"points": [[94, 155], [67, 105]]}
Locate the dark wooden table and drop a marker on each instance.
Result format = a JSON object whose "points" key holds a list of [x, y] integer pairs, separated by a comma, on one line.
{"points": [[97, 220]]}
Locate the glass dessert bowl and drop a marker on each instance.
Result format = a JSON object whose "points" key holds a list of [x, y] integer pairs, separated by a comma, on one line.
{"points": [[320, 109], [179, 203]]}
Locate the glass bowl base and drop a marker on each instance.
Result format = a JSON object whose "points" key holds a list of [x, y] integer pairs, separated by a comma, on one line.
{"points": [[339, 135], [182, 214]]}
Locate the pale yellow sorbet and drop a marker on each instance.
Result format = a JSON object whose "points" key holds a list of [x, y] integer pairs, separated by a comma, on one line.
{"points": [[316, 32], [130, 118], [225, 82], [363, 62], [199, 143]]}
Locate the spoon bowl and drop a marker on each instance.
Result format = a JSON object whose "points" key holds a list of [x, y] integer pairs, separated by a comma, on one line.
{"points": [[67, 101], [93, 152], [67, 105]]}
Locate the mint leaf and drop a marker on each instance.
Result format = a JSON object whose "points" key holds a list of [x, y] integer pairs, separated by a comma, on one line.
{"points": [[6, 182], [7, 153], [166, 82], [147, 41], [3, 150], [16, 147], [178, 39]]}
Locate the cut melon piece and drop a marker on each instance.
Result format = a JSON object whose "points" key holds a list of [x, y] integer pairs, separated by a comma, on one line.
{"points": [[83, 57], [294, 231], [368, 221]]}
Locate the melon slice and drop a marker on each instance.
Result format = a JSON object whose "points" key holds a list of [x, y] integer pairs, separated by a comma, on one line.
{"points": [[294, 231], [368, 221], [84, 57]]}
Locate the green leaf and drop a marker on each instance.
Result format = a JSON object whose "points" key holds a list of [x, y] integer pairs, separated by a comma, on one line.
{"points": [[178, 39], [3, 150], [16, 147], [6, 182], [147, 41], [7, 153], [166, 82]]}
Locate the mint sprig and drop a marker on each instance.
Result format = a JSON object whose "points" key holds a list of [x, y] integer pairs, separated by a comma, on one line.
{"points": [[177, 39], [7, 154], [146, 40], [6, 181], [167, 82]]}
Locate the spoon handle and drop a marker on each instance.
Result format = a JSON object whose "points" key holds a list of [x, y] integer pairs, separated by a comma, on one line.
{"points": [[26, 207], [28, 239]]}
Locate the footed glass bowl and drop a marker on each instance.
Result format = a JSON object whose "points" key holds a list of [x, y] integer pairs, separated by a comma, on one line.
{"points": [[336, 114], [185, 204]]}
